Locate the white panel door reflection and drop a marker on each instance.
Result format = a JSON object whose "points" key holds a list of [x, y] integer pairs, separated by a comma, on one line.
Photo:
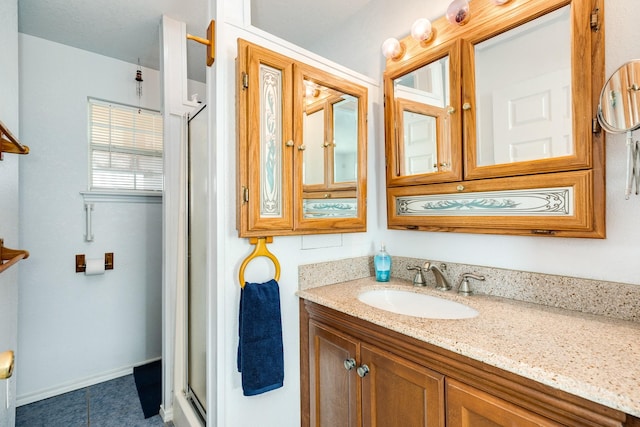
{"points": [[532, 119]]}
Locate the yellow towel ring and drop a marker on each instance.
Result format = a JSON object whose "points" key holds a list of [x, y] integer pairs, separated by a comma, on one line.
{"points": [[259, 250]]}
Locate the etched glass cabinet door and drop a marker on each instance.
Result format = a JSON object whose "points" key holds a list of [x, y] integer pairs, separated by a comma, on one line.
{"points": [[265, 141]]}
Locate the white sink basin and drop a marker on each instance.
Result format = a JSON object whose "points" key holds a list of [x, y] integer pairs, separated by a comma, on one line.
{"points": [[418, 305]]}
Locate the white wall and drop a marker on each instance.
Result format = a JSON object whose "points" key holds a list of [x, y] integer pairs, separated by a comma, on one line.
{"points": [[9, 205], [611, 259], [75, 330]]}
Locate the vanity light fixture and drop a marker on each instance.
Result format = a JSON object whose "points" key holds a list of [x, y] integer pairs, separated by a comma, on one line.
{"points": [[458, 12], [422, 31], [393, 49]]}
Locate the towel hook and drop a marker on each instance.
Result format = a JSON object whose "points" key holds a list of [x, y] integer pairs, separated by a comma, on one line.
{"points": [[260, 250]]}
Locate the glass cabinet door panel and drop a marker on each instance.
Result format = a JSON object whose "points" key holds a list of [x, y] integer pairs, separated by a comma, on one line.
{"points": [[270, 142], [423, 126], [530, 113], [314, 139], [345, 140], [330, 136], [421, 96], [523, 106]]}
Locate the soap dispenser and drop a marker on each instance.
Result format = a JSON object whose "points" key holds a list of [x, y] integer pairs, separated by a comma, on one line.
{"points": [[382, 265]]}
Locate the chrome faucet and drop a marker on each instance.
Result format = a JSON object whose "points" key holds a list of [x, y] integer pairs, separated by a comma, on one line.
{"points": [[442, 283]]}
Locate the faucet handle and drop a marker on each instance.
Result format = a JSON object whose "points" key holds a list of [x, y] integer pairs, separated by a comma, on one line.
{"points": [[418, 279], [463, 287]]}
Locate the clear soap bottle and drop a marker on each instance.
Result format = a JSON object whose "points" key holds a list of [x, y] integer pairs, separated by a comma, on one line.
{"points": [[382, 265]]}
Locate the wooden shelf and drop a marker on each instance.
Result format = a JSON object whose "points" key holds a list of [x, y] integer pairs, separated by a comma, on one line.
{"points": [[9, 143], [8, 257]]}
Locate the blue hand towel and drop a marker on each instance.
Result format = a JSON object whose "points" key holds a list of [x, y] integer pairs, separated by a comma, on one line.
{"points": [[260, 352]]}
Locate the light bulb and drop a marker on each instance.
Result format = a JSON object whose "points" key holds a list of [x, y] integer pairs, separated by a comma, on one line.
{"points": [[392, 49], [421, 30], [458, 12]]}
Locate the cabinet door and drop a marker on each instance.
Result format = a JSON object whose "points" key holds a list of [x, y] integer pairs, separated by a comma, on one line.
{"points": [[399, 393], [333, 385], [330, 156], [470, 407], [265, 141]]}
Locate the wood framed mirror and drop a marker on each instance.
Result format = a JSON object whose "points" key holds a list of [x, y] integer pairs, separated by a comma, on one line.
{"points": [[525, 155]]}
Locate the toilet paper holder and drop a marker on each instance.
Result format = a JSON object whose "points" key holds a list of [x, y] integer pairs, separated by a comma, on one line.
{"points": [[81, 264]]}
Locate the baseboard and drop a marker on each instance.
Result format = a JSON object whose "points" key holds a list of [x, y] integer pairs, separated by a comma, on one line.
{"points": [[166, 414], [27, 398]]}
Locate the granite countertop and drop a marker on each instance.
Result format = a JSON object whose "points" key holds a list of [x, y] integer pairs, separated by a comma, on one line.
{"points": [[590, 356]]}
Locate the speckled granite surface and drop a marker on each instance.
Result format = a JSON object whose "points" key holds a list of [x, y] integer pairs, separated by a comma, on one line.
{"points": [[618, 300], [594, 357]]}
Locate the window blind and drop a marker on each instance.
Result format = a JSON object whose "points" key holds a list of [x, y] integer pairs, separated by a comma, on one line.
{"points": [[126, 146]]}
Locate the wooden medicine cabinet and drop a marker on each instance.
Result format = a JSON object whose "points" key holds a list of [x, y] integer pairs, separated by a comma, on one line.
{"points": [[301, 147], [490, 126]]}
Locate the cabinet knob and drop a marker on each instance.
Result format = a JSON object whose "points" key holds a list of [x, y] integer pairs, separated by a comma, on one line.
{"points": [[326, 144], [349, 364], [302, 147], [460, 187], [362, 371], [450, 110], [466, 106], [289, 143]]}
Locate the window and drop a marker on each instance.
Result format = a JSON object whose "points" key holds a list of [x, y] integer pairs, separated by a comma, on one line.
{"points": [[125, 145]]}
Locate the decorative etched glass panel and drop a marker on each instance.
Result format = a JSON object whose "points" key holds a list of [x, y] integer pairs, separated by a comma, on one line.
{"points": [[270, 142], [321, 208], [537, 202]]}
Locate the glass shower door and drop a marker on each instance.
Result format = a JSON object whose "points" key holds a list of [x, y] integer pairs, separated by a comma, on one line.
{"points": [[197, 262]]}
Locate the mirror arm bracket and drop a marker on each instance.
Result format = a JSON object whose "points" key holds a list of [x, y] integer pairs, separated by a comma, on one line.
{"points": [[595, 126]]}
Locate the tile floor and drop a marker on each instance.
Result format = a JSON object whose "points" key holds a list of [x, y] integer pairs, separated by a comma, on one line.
{"points": [[113, 403]]}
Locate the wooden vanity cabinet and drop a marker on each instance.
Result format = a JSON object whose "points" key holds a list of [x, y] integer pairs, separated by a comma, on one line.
{"points": [[352, 384], [470, 407], [413, 383]]}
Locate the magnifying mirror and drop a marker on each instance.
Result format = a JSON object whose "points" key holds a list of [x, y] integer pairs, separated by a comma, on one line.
{"points": [[619, 112]]}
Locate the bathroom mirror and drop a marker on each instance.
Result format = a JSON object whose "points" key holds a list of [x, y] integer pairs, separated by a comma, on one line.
{"points": [[422, 97], [510, 99], [330, 136], [619, 108], [421, 120], [523, 105], [619, 112], [330, 147]]}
